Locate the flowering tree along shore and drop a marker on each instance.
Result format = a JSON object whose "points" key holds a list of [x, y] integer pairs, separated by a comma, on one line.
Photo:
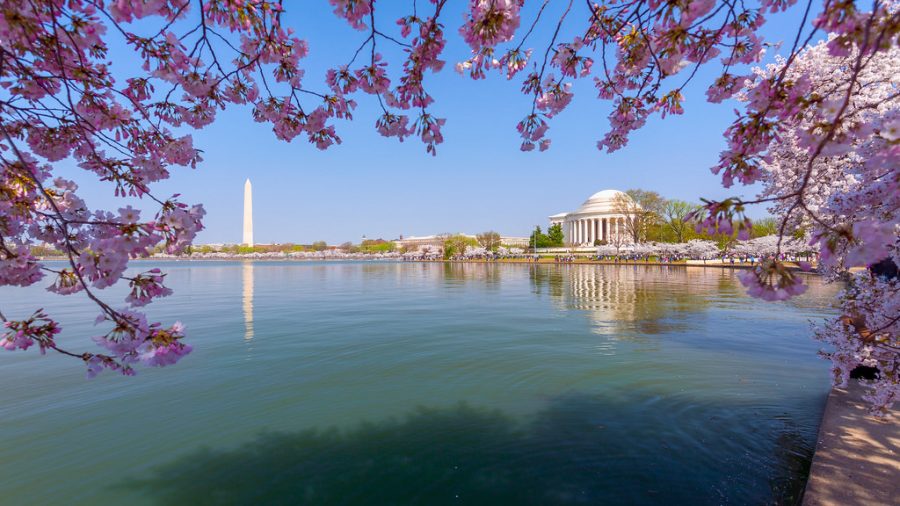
{"points": [[819, 128]]}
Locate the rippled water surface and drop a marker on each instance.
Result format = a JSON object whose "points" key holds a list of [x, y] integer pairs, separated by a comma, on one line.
{"points": [[407, 383]]}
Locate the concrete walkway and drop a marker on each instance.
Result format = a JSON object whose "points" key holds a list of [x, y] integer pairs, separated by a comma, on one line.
{"points": [[857, 459]]}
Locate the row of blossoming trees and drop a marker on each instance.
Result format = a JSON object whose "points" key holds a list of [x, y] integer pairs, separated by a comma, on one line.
{"points": [[760, 248], [818, 127]]}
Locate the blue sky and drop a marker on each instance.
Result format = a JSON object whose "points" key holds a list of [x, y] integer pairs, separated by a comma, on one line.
{"points": [[377, 187]]}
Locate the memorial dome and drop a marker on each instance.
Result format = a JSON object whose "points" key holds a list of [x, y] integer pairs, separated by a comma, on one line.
{"points": [[601, 202], [601, 218]]}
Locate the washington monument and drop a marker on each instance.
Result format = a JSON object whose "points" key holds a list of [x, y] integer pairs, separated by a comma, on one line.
{"points": [[248, 214]]}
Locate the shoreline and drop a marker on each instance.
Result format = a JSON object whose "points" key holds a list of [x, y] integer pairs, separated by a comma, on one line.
{"points": [[524, 261]]}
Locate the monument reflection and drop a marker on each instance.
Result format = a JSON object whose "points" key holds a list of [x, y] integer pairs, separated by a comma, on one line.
{"points": [[247, 299]]}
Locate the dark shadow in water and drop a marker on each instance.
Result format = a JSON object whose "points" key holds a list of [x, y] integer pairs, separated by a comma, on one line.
{"points": [[580, 450], [794, 454]]}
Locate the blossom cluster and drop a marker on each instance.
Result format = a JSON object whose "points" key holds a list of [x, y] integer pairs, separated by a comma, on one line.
{"points": [[772, 280], [867, 334], [63, 101], [23, 334], [768, 246], [425, 46], [820, 135]]}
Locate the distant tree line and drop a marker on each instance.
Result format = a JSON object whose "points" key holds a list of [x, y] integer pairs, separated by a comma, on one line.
{"points": [[366, 246], [650, 217]]}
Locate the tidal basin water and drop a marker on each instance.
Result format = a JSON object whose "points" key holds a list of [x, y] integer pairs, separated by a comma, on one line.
{"points": [[411, 383]]}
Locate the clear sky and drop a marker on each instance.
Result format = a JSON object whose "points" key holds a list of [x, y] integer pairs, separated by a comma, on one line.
{"points": [[377, 187]]}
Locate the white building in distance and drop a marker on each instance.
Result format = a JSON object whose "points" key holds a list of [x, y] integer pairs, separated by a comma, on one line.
{"points": [[602, 217], [248, 214]]}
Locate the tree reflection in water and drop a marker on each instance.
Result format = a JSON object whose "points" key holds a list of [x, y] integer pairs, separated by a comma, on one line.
{"points": [[579, 450], [487, 273]]}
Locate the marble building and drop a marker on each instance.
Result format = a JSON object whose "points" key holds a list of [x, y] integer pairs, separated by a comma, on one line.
{"points": [[602, 217]]}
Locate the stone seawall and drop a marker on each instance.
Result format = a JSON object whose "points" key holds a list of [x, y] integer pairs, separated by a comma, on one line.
{"points": [[857, 459]]}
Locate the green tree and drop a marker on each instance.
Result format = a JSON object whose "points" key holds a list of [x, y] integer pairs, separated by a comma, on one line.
{"points": [[319, 246], [539, 240], [456, 244], [764, 227], [377, 246], [675, 214], [555, 234]]}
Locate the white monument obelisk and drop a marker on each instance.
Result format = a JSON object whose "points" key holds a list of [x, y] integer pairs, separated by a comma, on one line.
{"points": [[248, 214]]}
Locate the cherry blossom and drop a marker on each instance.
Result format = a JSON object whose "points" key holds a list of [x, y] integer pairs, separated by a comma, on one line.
{"points": [[490, 22], [824, 161], [770, 280], [65, 101], [23, 334]]}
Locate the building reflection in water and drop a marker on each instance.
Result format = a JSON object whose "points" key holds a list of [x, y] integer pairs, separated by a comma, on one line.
{"points": [[639, 301], [620, 301], [247, 299], [631, 302], [628, 301]]}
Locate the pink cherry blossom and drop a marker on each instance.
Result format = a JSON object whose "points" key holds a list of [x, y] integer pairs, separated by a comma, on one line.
{"points": [[771, 281], [555, 97], [354, 11], [146, 287], [163, 347], [24, 333], [490, 22]]}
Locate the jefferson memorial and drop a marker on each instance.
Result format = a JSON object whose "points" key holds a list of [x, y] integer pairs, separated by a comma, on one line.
{"points": [[600, 218]]}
